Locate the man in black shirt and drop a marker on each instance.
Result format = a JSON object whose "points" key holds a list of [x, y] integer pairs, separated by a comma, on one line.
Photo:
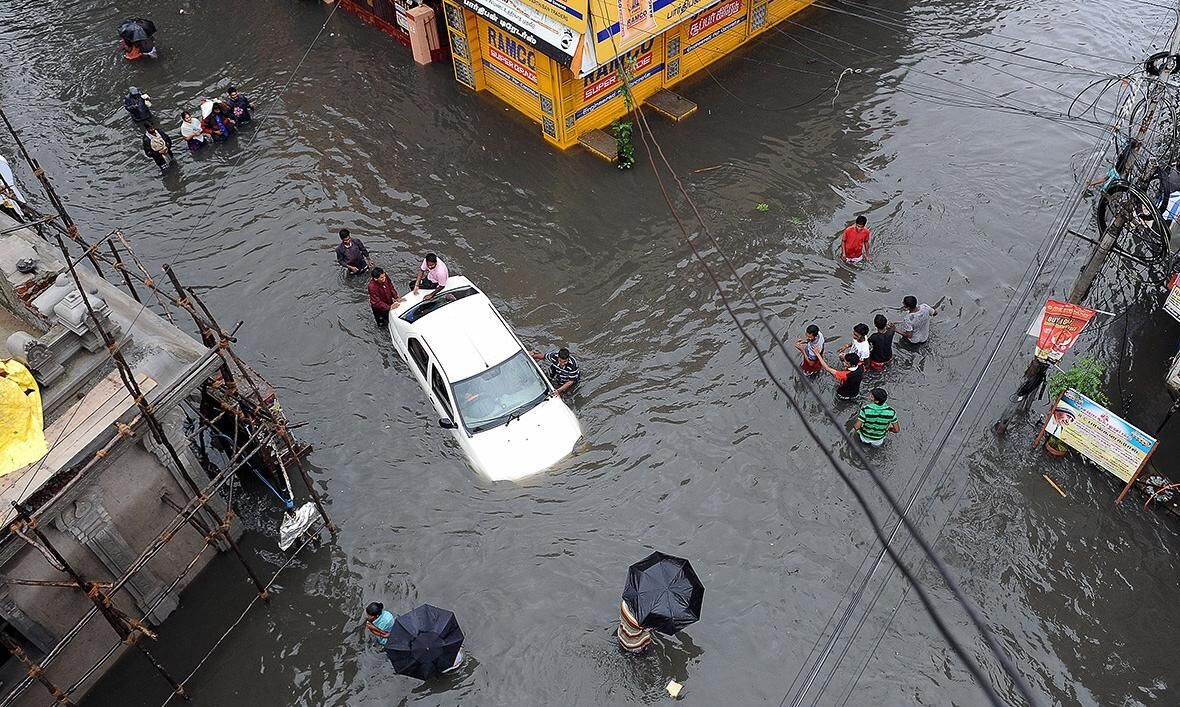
{"points": [[848, 380], [351, 254], [881, 344], [239, 106]]}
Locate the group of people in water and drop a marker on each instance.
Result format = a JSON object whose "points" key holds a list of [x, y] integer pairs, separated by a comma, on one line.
{"points": [[866, 351], [220, 119]]}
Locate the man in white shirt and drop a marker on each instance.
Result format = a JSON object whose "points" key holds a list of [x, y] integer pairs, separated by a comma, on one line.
{"points": [[916, 325]]}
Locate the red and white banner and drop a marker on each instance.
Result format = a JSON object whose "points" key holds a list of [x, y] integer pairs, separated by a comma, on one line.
{"points": [[1062, 324]]}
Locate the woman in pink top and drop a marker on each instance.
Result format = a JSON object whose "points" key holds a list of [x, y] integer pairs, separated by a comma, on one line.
{"points": [[435, 272]]}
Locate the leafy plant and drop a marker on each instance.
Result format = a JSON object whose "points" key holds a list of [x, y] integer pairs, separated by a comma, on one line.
{"points": [[1086, 376], [626, 148], [763, 207], [624, 128]]}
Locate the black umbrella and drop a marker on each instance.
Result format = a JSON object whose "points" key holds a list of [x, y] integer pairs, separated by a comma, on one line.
{"points": [[136, 29], [664, 593], [424, 642]]}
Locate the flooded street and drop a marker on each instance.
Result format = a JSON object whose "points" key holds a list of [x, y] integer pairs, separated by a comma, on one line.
{"points": [[687, 447]]}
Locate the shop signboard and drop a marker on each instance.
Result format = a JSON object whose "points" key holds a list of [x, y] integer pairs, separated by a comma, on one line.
{"points": [[603, 88], [617, 26], [527, 25], [1099, 435]]}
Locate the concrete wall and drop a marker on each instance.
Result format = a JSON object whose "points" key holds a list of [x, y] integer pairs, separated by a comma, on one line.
{"points": [[104, 528]]}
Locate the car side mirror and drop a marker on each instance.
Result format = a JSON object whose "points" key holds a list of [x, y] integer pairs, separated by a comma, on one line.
{"points": [[446, 424]]}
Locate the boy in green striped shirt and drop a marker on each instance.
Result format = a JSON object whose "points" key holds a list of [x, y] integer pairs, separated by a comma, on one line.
{"points": [[876, 419]]}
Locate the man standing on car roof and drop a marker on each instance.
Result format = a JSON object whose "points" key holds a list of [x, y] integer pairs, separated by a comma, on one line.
{"points": [[564, 373]]}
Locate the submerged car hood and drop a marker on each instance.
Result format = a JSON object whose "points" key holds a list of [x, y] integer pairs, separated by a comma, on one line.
{"points": [[526, 445]]}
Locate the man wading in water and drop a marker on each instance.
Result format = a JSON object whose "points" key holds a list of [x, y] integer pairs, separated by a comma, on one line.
{"points": [[382, 296], [351, 254]]}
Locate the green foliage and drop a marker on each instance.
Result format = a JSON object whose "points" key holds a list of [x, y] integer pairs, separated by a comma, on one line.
{"points": [[763, 207], [626, 154], [624, 128], [1086, 376]]}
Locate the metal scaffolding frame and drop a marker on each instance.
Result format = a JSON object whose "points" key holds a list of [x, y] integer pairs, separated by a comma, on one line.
{"points": [[238, 398]]}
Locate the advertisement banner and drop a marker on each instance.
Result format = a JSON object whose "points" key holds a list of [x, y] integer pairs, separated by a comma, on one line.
{"points": [[1099, 435], [1172, 303], [620, 25], [572, 15], [523, 24], [1060, 327]]}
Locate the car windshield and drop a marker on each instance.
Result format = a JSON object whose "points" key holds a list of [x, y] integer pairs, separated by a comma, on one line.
{"points": [[497, 395], [437, 302]]}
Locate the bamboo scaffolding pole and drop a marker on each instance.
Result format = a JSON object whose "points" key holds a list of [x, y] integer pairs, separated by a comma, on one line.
{"points": [[148, 553], [36, 672], [127, 628]]}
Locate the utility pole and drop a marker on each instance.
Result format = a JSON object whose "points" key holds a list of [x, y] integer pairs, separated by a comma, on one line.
{"points": [[1034, 375], [1098, 258]]}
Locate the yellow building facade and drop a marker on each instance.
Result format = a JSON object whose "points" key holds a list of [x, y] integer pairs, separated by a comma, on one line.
{"points": [[561, 65]]}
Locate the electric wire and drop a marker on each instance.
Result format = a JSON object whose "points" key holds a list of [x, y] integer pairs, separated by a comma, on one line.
{"points": [[992, 357], [1016, 350], [981, 679], [982, 682], [975, 46], [1013, 307], [956, 647], [902, 18], [1035, 108]]}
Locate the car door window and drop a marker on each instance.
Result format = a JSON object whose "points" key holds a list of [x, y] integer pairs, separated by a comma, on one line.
{"points": [[419, 355], [439, 386]]}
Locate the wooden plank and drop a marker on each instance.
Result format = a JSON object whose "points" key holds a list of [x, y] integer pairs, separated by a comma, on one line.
{"points": [[600, 143], [671, 105], [69, 434]]}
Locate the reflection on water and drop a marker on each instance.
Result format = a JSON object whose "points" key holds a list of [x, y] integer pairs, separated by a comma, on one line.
{"points": [[687, 448]]}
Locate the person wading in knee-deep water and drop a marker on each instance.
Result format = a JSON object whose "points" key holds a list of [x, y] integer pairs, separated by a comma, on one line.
{"points": [[158, 146], [382, 296]]}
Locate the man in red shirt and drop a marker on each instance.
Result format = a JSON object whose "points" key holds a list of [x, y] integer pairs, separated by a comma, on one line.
{"points": [[382, 296], [856, 241]]}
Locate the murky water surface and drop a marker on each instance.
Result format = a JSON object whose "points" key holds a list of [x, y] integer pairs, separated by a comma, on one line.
{"points": [[687, 447]]}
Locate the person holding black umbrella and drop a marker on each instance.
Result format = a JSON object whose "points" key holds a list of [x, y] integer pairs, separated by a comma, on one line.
{"points": [[425, 642], [663, 593]]}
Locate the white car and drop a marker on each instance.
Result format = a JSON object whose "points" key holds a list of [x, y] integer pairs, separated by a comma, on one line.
{"points": [[486, 387]]}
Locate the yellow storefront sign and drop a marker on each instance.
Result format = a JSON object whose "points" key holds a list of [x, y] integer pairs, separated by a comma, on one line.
{"points": [[617, 26]]}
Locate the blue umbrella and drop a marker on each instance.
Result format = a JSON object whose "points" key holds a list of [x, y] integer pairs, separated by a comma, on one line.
{"points": [[664, 593], [424, 642]]}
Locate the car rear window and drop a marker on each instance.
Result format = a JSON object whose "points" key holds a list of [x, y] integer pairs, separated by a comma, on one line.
{"points": [[440, 300]]}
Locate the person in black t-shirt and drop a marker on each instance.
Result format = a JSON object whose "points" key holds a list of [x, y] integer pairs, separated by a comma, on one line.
{"points": [[881, 343], [848, 380]]}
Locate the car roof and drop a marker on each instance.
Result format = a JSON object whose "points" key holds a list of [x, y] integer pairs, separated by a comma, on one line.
{"points": [[466, 336]]}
